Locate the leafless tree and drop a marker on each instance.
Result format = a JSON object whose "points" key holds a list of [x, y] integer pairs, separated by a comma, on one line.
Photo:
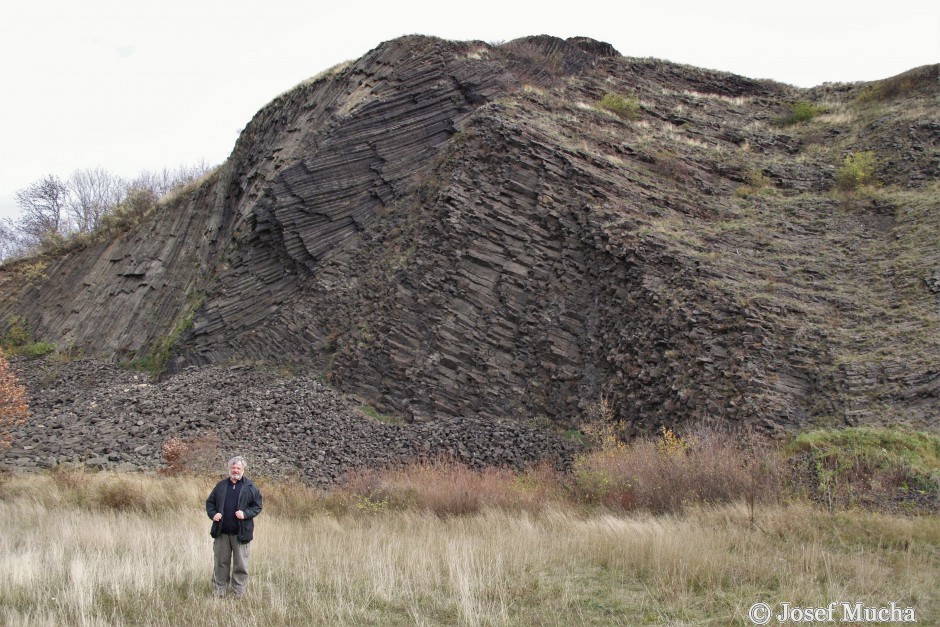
{"points": [[93, 193], [162, 182], [44, 211], [10, 244], [52, 209]]}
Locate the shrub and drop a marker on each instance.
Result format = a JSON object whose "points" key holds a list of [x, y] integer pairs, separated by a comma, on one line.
{"points": [[758, 183], [625, 108], [17, 335], [802, 111], [667, 473], [14, 408], [138, 203], [18, 340], [198, 454], [857, 170], [873, 467]]}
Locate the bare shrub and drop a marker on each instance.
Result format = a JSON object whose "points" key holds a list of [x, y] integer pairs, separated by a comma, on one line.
{"points": [[43, 220], [665, 474], [93, 193], [172, 452], [200, 454]]}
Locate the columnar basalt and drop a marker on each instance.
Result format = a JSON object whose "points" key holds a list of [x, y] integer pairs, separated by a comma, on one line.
{"points": [[462, 230]]}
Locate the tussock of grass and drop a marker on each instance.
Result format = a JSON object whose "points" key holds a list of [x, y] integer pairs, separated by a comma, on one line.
{"points": [[373, 413]]}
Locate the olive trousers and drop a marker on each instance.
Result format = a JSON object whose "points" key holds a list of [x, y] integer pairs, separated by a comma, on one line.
{"points": [[231, 564]]}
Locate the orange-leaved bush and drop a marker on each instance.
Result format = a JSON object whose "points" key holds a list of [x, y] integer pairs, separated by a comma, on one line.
{"points": [[14, 406]]}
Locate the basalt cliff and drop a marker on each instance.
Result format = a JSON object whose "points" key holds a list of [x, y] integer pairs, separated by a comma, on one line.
{"points": [[457, 230]]}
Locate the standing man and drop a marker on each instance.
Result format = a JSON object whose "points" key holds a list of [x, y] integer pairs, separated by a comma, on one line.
{"points": [[232, 506]]}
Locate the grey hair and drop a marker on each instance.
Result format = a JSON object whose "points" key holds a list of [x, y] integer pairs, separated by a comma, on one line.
{"points": [[238, 459]]}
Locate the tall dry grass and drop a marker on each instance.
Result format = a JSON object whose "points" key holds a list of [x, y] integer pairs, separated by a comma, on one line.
{"points": [[452, 489], [72, 553]]}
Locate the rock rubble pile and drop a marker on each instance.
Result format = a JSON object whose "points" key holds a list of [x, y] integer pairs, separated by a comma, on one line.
{"points": [[99, 415]]}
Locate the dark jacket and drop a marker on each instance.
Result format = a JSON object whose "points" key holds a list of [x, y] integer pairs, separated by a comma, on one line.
{"points": [[249, 502]]}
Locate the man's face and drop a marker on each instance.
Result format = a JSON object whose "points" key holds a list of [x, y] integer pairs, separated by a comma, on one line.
{"points": [[235, 472]]}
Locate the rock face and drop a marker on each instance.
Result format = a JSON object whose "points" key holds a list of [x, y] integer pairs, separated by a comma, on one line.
{"points": [[457, 230]]}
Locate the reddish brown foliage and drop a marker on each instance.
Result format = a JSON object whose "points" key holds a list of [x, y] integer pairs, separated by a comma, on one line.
{"points": [[14, 407], [197, 454]]}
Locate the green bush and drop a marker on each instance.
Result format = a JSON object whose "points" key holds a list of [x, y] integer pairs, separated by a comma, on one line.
{"points": [[18, 340], [757, 183], [17, 335], [857, 169], [870, 466], [802, 112], [625, 108], [36, 349]]}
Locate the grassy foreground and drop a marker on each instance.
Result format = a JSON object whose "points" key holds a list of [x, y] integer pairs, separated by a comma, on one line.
{"points": [[96, 549]]}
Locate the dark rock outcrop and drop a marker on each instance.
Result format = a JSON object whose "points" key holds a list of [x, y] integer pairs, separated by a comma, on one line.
{"points": [[461, 232]]}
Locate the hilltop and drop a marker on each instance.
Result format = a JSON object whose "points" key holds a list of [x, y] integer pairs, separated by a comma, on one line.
{"points": [[456, 230]]}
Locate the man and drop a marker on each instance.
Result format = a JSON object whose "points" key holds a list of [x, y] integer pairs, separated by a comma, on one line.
{"points": [[232, 506]]}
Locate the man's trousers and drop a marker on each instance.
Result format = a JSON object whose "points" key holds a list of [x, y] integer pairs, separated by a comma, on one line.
{"points": [[230, 555]]}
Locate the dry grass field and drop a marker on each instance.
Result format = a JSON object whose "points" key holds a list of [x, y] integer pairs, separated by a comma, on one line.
{"points": [[109, 549]]}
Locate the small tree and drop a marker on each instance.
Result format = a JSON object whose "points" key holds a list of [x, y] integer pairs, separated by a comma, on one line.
{"points": [[44, 216], [10, 244], [162, 182], [858, 169], [94, 192], [14, 408]]}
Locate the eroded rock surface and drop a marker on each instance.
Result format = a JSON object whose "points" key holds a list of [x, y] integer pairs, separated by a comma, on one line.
{"points": [[458, 231]]}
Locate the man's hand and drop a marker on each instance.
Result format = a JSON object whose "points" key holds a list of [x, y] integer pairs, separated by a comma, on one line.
{"points": [[240, 515], [217, 517]]}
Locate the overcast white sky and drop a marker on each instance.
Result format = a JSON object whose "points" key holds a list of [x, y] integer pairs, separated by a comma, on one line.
{"points": [[129, 85]]}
